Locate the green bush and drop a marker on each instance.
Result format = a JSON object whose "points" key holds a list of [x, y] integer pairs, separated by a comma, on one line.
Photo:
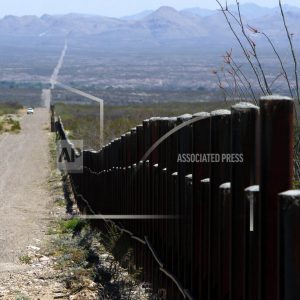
{"points": [[15, 125], [73, 225], [25, 259]]}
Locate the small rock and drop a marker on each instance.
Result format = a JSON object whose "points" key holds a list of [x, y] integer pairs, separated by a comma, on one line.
{"points": [[44, 259], [59, 296], [33, 248]]}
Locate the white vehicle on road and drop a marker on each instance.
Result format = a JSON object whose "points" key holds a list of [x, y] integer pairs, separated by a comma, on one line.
{"points": [[30, 111]]}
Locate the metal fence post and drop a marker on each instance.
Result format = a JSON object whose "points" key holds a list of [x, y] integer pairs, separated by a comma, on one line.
{"points": [[290, 245], [277, 140], [52, 120], [174, 267], [226, 227], [188, 267], [201, 145], [172, 147], [203, 278], [244, 131], [219, 173], [184, 168], [253, 243]]}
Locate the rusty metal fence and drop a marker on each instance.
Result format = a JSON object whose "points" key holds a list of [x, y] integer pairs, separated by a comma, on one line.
{"points": [[210, 229]]}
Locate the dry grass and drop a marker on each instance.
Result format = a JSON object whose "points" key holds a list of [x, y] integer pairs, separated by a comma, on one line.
{"points": [[83, 120]]}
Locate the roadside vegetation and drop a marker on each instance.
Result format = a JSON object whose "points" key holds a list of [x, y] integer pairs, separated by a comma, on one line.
{"points": [[9, 120], [86, 262], [91, 263], [10, 108]]}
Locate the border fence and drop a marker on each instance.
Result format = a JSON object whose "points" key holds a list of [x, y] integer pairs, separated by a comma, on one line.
{"points": [[213, 229]]}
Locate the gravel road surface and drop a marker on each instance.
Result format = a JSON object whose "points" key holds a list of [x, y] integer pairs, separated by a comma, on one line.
{"points": [[24, 196]]}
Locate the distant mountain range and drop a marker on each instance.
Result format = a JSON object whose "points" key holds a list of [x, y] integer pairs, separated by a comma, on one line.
{"points": [[163, 26], [138, 16], [250, 10]]}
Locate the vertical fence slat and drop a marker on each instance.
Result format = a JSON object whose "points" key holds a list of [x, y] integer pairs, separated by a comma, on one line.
{"points": [[175, 229], [203, 279], [244, 131], [219, 173], [184, 168], [277, 136], [201, 146], [188, 231], [289, 202], [226, 223], [253, 243]]}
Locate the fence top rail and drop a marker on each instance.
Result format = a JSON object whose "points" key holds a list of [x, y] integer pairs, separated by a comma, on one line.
{"points": [[153, 119], [189, 176], [184, 117], [202, 114], [226, 185], [245, 105], [205, 180], [291, 193], [253, 188], [220, 112], [276, 97], [172, 119]]}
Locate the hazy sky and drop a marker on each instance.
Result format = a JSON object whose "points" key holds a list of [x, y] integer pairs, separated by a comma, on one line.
{"points": [[113, 8]]}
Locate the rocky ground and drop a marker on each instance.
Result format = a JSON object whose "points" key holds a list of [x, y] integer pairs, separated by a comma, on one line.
{"points": [[71, 260], [38, 276]]}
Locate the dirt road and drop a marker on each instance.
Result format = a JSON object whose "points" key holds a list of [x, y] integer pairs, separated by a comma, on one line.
{"points": [[24, 196]]}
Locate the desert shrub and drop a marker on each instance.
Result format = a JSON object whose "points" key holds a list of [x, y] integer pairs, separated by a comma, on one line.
{"points": [[83, 120], [9, 108], [15, 125], [73, 225]]}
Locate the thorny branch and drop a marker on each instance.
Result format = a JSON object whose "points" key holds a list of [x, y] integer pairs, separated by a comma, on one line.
{"points": [[253, 47], [289, 36], [224, 11], [240, 80], [257, 68]]}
